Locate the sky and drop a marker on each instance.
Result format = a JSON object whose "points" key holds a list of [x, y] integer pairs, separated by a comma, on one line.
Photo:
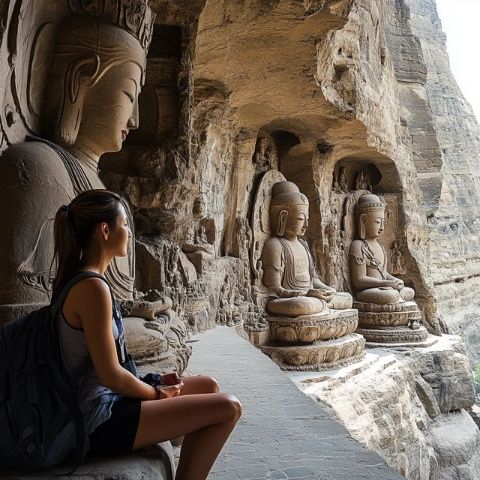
{"points": [[460, 21]]}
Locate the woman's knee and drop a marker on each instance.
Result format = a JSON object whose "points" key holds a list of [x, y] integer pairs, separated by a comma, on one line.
{"points": [[211, 384], [231, 407]]}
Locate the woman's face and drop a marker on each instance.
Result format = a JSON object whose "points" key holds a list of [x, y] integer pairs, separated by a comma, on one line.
{"points": [[120, 235], [110, 109]]}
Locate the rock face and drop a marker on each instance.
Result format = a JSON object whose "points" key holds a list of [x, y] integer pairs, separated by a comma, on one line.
{"points": [[409, 407], [312, 89], [454, 271]]}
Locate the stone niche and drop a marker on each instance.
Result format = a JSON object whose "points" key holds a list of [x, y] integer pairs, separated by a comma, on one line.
{"points": [[333, 185], [353, 178], [308, 325]]}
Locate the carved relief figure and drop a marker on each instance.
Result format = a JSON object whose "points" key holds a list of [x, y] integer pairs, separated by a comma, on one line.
{"points": [[201, 237], [363, 182], [341, 180], [368, 260], [396, 259]]}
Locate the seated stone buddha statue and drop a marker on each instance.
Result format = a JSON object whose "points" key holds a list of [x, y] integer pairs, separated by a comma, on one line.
{"points": [[387, 312], [368, 261], [91, 104], [288, 268]]}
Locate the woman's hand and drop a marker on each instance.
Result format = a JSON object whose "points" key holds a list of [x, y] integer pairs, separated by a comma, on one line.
{"points": [[168, 391]]}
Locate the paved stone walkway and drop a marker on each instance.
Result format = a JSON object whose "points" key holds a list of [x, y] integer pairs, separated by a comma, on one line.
{"points": [[283, 434]]}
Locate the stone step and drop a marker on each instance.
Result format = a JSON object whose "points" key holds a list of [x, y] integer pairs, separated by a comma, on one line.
{"points": [[153, 463]]}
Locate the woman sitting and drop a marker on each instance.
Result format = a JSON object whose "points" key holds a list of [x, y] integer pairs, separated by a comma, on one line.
{"points": [[122, 413]]}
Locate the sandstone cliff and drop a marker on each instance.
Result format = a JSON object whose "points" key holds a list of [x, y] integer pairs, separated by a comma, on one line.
{"points": [[409, 407], [455, 225]]}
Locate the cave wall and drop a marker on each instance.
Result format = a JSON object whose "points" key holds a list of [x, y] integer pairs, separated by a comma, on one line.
{"points": [[455, 224], [237, 88]]}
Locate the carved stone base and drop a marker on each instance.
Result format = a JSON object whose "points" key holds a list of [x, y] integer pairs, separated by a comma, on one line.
{"points": [[147, 345], [310, 328], [321, 355], [394, 335], [402, 314]]}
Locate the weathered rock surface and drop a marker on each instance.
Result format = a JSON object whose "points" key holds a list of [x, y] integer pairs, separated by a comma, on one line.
{"points": [[378, 94], [455, 272], [408, 405]]}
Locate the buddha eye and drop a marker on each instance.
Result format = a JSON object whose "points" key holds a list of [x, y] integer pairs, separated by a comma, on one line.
{"points": [[130, 97]]}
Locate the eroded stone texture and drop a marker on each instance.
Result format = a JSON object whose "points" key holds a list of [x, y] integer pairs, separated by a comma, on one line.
{"points": [[454, 270], [408, 406]]}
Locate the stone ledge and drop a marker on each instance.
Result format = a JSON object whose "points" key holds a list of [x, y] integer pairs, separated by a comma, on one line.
{"points": [[153, 463]]}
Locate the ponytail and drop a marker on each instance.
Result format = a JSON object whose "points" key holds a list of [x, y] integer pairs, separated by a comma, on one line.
{"points": [[74, 227]]}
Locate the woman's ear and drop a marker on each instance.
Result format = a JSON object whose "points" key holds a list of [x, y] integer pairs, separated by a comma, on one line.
{"points": [[104, 230], [79, 78]]}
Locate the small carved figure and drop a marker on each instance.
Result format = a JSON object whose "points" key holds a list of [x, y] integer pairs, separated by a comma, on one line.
{"points": [[368, 260], [341, 181], [396, 258], [259, 273], [362, 181], [201, 237], [173, 263]]}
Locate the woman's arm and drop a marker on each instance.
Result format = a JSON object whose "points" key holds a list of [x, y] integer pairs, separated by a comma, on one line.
{"points": [[92, 302]]}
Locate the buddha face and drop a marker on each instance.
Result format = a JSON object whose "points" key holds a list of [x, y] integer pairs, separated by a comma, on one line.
{"points": [[297, 221], [110, 109], [374, 223]]}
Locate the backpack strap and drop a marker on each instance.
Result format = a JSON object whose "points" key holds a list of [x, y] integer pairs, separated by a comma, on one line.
{"points": [[58, 302]]}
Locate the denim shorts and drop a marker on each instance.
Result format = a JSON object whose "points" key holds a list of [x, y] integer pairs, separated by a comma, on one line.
{"points": [[117, 434]]}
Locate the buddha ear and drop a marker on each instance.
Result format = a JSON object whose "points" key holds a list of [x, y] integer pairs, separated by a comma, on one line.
{"points": [[305, 226], [79, 78], [282, 222], [363, 218]]}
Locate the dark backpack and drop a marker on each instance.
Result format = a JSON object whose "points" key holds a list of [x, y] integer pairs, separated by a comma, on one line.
{"points": [[37, 397]]}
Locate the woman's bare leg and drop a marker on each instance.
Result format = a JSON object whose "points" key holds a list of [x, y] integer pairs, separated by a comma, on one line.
{"points": [[206, 420], [199, 384]]}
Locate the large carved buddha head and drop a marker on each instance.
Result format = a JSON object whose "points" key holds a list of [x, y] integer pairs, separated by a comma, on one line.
{"points": [[288, 210], [97, 73], [371, 216]]}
